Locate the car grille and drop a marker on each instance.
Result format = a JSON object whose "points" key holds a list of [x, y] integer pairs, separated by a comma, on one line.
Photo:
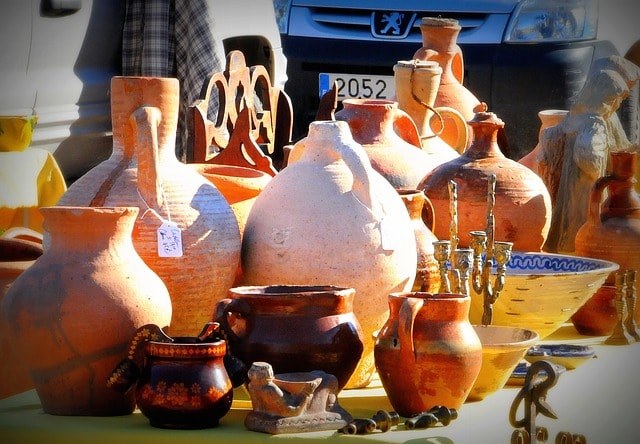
{"points": [[356, 23]]}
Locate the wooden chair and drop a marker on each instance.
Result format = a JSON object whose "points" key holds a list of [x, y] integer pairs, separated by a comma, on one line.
{"points": [[266, 123]]}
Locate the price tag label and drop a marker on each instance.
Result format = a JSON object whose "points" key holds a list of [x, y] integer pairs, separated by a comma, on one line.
{"points": [[389, 235], [169, 240]]}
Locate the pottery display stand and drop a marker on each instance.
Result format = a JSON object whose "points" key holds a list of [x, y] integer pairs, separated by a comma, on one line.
{"points": [[238, 86], [293, 402]]}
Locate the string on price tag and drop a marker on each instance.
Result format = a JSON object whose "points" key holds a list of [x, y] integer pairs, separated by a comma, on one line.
{"points": [[169, 235]]}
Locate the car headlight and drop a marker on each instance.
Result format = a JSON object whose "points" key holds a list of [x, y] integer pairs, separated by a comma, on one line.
{"points": [[553, 21]]}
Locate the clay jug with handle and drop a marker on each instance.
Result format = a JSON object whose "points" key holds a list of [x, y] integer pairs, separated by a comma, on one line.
{"points": [[427, 353], [330, 219], [417, 83], [186, 231], [612, 229]]}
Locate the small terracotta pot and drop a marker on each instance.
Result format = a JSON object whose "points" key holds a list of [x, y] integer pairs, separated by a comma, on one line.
{"points": [[598, 316]]}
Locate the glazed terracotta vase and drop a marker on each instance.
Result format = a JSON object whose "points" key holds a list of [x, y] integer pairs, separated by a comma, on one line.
{"points": [[184, 384], [612, 229], [427, 353], [330, 218], [548, 118], [439, 43], [295, 328], [143, 171], [417, 83], [390, 138], [73, 312], [16, 256], [522, 207], [427, 271]]}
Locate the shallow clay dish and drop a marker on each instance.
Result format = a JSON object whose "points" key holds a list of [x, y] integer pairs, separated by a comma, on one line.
{"points": [[567, 355]]}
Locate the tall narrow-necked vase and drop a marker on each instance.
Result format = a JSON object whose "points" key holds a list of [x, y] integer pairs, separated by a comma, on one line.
{"points": [[440, 44], [143, 171], [74, 311], [330, 219]]}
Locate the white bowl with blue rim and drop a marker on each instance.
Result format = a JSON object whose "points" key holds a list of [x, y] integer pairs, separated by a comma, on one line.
{"points": [[543, 290]]}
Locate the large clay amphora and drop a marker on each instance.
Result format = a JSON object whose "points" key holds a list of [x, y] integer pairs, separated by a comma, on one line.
{"points": [[612, 229], [295, 328], [143, 171], [439, 43], [330, 219], [427, 353], [417, 85], [74, 311], [522, 207], [390, 138]]}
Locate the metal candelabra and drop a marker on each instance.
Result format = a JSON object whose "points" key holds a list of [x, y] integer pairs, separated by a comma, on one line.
{"points": [[478, 260]]}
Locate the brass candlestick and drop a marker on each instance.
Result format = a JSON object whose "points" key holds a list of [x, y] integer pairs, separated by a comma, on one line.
{"points": [[619, 335], [483, 244], [630, 299], [462, 260], [441, 253]]}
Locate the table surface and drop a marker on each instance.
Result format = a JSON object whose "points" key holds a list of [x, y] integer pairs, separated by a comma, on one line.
{"points": [[597, 399]]}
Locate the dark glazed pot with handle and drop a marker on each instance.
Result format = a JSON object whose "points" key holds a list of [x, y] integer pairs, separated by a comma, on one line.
{"points": [[295, 328]]}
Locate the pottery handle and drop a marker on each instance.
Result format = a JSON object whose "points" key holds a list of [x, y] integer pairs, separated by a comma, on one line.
{"points": [[406, 319], [243, 320], [146, 120], [406, 127], [428, 213], [462, 129], [595, 198], [356, 159]]}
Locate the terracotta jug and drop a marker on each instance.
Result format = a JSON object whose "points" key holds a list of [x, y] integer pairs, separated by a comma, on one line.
{"points": [[417, 85], [143, 171], [295, 328], [439, 43], [612, 229], [427, 271], [548, 118], [427, 353], [16, 256], [73, 312], [390, 138], [330, 218], [522, 207]]}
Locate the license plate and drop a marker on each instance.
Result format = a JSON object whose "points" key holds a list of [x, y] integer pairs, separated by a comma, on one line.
{"points": [[357, 86]]}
